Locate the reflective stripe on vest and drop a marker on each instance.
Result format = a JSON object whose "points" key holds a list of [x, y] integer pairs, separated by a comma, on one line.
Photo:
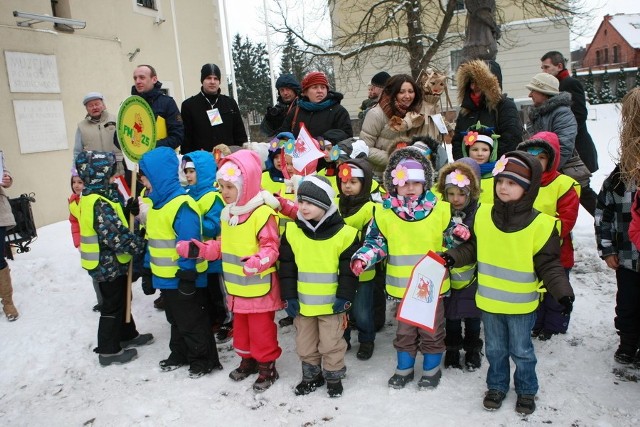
{"points": [[318, 275], [89, 247], [162, 238], [360, 221], [513, 289], [239, 242], [463, 276], [409, 241]]}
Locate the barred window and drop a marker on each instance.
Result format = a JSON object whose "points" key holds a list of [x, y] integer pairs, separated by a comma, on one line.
{"points": [[149, 4]]}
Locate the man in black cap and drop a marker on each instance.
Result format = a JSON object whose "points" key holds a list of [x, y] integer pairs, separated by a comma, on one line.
{"points": [[288, 91], [375, 89], [211, 118]]}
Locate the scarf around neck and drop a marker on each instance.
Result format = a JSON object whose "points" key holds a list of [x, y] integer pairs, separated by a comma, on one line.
{"points": [[231, 213], [410, 208], [316, 106]]}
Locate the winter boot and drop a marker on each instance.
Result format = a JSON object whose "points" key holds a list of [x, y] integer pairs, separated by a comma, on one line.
{"points": [[201, 368], [285, 321], [6, 294], [309, 385], [431, 372], [171, 363], [452, 359], [404, 370], [627, 349], [248, 366], [493, 400], [268, 375], [158, 303], [119, 358], [525, 404], [473, 353], [334, 387], [365, 351], [225, 333], [140, 340]]}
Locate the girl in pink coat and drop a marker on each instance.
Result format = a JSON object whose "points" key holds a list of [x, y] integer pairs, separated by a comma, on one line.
{"points": [[249, 249]]}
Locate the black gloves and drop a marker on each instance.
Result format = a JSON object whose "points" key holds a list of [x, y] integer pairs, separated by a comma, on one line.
{"points": [[567, 303], [448, 259], [132, 207], [147, 285]]}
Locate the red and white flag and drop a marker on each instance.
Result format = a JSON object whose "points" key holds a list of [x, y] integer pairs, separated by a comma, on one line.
{"points": [[306, 149]]}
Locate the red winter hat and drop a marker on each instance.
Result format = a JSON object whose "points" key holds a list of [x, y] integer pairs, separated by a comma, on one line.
{"points": [[314, 78]]}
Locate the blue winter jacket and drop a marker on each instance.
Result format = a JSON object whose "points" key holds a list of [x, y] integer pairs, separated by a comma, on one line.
{"points": [[206, 169], [160, 166]]}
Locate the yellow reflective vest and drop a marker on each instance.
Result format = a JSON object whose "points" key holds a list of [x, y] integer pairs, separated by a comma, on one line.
{"points": [[89, 247], [360, 221], [277, 188], [162, 238], [507, 282], [409, 241], [486, 193], [205, 203], [548, 196], [318, 264], [239, 242]]}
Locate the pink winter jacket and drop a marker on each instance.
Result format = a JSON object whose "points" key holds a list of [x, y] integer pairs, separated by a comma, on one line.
{"points": [[268, 237]]}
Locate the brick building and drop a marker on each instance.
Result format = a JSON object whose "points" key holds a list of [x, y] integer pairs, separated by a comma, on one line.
{"points": [[616, 44]]}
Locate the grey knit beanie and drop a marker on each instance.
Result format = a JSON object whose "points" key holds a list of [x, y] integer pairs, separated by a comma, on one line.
{"points": [[317, 190]]}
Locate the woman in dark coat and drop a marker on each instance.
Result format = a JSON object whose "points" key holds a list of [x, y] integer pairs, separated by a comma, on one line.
{"points": [[318, 108], [481, 99]]}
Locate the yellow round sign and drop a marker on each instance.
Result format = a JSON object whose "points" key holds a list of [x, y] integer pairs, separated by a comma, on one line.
{"points": [[136, 128]]}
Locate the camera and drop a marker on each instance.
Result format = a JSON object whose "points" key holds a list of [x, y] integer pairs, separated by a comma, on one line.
{"points": [[277, 109]]}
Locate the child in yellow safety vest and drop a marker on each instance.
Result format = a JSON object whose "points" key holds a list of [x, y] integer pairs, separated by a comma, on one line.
{"points": [[77, 185], [200, 173], [318, 285], [559, 196], [354, 178], [249, 250], [517, 249], [459, 183], [410, 223], [481, 144], [106, 249]]}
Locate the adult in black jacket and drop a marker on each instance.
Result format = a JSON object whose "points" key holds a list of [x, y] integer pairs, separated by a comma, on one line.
{"points": [[554, 63], [481, 99], [147, 86], [318, 108], [211, 118], [288, 90]]}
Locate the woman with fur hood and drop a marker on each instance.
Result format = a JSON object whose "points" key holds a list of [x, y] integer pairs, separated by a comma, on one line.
{"points": [[481, 99]]}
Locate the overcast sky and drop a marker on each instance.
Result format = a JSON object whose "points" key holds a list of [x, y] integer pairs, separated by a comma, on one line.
{"points": [[246, 17]]}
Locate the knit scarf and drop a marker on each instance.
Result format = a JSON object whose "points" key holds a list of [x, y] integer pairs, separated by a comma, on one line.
{"points": [[562, 75], [413, 208], [316, 106], [231, 213], [486, 168]]}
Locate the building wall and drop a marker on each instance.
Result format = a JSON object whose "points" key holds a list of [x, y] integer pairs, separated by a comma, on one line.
{"points": [[176, 39], [605, 39]]}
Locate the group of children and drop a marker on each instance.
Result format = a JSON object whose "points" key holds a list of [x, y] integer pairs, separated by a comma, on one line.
{"points": [[316, 252]]}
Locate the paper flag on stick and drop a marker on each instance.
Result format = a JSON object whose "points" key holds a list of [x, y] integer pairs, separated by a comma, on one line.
{"points": [[305, 150]]}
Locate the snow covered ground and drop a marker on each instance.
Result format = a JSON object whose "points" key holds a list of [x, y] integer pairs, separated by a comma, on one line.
{"points": [[49, 375]]}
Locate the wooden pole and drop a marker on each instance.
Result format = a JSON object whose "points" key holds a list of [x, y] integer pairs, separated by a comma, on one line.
{"points": [[132, 218]]}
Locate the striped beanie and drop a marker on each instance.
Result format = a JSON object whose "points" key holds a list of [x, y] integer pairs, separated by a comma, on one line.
{"points": [[316, 190], [516, 170]]}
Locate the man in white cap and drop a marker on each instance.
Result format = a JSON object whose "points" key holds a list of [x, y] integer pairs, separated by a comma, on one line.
{"points": [[95, 132]]}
